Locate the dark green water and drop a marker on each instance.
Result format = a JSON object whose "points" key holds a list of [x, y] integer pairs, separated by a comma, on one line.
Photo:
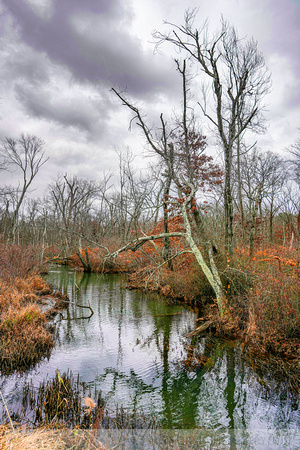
{"points": [[132, 349]]}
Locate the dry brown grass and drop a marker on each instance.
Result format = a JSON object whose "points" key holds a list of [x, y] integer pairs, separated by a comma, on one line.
{"points": [[38, 284], [24, 337], [35, 440], [9, 296], [47, 439]]}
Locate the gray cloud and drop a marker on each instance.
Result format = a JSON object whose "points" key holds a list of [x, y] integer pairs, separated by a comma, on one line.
{"points": [[285, 35], [69, 111], [92, 39], [59, 59], [26, 65]]}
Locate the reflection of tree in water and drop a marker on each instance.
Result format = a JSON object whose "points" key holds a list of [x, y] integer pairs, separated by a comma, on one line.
{"points": [[180, 395], [176, 411], [230, 394], [176, 396], [84, 282], [173, 388], [120, 325]]}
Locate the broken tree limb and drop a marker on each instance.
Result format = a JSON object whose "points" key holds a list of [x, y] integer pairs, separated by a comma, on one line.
{"points": [[139, 242]]}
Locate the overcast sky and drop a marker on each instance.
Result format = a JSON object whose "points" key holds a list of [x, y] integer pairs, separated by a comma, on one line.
{"points": [[60, 59]]}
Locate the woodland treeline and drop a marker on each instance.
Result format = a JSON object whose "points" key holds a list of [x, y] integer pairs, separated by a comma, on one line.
{"points": [[77, 212]]}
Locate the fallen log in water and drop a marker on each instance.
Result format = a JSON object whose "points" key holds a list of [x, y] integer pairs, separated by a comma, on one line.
{"points": [[200, 329]]}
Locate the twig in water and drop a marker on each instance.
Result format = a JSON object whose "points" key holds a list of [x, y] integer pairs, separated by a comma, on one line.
{"points": [[7, 412], [81, 306]]}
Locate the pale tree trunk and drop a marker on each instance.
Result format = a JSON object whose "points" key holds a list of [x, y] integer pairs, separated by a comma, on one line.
{"points": [[271, 222], [5, 221], [44, 236], [167, 243], [253, 223], [212, 274], [17, 209], [228, 205], [240, 197]]}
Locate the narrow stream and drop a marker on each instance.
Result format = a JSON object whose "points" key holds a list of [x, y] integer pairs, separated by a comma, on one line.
{"points": [[132, 349]]}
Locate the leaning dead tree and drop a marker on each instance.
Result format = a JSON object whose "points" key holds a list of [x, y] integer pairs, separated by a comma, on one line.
{"points": [[238, 82], [178, 171]]}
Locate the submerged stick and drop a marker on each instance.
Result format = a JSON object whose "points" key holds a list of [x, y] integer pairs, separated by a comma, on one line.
{"points": [[81, 306]]}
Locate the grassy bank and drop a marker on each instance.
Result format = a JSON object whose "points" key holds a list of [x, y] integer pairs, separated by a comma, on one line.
{"points": [[25, 336], [271, 307]]}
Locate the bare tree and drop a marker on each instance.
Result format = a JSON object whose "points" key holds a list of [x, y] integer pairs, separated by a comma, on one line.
{"points": [[295, 153], [291, 202], [295, 162], [27, 155], [71, 199], [239, 81], [130, 204], [262, 178]]}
